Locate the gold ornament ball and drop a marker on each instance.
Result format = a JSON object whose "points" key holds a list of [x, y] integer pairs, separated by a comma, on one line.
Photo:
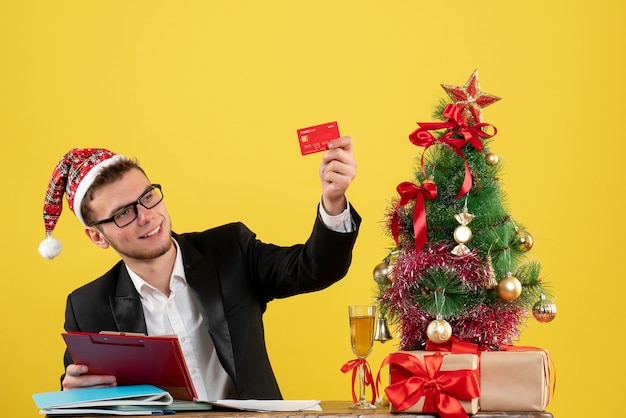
{"points": [[491, 159], [523, 241], [509, 288], [439, 331], [381, 273], [429, 180], [544, 310]]}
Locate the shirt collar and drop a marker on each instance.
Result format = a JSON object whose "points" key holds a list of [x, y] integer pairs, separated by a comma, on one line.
{"points": [[178, 275]]}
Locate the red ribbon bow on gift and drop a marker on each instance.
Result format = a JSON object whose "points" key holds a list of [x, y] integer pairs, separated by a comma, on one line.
{"points": [[441, 389], [459, 133], [408, 192], [368, 378]]}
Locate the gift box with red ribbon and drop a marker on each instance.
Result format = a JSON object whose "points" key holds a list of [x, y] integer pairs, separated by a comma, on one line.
{"points": [[419, 381]]}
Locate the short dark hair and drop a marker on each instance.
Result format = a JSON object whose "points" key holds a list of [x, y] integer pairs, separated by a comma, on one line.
{"points": [[109, 174]]}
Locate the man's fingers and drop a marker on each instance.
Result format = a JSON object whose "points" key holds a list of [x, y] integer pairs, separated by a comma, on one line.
{"points": [[344, 142]]}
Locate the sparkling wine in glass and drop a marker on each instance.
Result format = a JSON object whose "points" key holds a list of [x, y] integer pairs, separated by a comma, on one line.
{"points": [[362, 340]]}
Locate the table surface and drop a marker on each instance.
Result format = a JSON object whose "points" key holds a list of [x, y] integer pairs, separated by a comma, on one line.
{"points": [[337, 409]]}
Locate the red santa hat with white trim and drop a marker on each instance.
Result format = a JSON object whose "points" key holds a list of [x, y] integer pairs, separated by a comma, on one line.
{"points": [[73, 175]]}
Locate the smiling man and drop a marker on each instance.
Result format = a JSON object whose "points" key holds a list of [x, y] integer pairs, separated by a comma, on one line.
{"points": [[209, 288]]}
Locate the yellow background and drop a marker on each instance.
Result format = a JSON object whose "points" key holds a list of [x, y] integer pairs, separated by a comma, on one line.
{"points": [[209, 94]]}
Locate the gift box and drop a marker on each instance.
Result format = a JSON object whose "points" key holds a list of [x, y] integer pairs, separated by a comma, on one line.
{"points": [[517, 380], [427, 382], [512, 380]]}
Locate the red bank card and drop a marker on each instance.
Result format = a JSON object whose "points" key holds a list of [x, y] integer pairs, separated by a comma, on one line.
{"points": [[315, 138]]}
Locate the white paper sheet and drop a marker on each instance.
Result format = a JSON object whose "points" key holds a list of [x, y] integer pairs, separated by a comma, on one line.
{"points": [[269, 405]]}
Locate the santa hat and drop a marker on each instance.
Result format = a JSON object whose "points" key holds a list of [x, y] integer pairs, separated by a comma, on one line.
{"points": [[73, 175]]}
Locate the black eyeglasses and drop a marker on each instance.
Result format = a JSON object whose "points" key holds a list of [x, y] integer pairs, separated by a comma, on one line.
{"points": [[125, 216]]}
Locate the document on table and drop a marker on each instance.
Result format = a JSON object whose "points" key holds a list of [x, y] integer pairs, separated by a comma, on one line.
{"points": [[269, 405]]}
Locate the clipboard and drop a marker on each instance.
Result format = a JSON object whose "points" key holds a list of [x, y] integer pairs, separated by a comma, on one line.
{"points": [[134, 359]]}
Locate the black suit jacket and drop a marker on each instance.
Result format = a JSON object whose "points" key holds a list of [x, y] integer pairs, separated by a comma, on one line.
{"points": [[233, 276]]}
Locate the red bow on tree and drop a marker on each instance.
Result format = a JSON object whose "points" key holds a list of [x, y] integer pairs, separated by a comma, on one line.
{"points": [[408, 192], [459, 132]]}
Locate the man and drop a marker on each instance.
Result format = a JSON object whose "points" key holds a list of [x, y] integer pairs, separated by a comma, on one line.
{"points": [[209, 288]]}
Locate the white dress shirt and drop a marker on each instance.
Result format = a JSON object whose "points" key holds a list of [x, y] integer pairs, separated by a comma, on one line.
{"points": [[339, 223], [179, 315]]}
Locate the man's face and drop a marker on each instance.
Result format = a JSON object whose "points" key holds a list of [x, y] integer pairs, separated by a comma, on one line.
{"points": [[147, 237]]}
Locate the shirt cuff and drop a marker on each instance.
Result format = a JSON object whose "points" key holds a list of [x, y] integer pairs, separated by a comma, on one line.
{"points": [[338, 223]]}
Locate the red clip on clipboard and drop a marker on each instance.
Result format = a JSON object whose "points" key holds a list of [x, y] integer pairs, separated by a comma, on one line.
{"points": [[134, 359]]}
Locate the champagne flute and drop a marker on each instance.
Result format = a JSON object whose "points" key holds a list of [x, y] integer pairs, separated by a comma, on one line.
{"points": [[362, 340]]}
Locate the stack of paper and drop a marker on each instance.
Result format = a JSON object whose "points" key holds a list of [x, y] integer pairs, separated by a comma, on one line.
{"points": [[150, 400]]}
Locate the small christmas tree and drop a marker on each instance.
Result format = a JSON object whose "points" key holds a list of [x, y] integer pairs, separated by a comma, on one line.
{"points": [[459, 266]]}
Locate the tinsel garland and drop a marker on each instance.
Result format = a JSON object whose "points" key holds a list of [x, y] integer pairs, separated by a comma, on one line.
{"points": [[487, 322]]}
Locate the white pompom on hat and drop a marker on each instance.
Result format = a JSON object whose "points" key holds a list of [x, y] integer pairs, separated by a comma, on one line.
{"points": [[73, 175]]}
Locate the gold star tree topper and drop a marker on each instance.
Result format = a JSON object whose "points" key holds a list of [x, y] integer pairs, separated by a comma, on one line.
{"points": [[470, 98]]}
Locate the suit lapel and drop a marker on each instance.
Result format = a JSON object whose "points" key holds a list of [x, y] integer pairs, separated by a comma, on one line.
{"points": [[126, 305], [201, 275]]}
